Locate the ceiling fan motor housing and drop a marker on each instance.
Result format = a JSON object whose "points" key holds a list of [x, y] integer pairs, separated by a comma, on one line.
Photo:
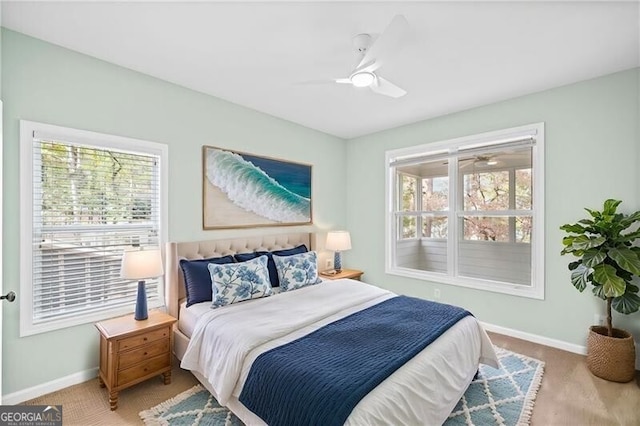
{"points": [[362, 42]]}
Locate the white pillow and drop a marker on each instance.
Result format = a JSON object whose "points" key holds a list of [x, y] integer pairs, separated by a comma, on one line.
{"points": [[298, 270], [235, 282]]}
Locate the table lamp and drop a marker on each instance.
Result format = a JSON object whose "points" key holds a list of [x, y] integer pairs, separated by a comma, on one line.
{"points": [[338, 241], [141, 264]]}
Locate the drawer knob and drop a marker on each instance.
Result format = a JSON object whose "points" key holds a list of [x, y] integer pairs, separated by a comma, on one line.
{"points": [[145, 339], [145, 353]]}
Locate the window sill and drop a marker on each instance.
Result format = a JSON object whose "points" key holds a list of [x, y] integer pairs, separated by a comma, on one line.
{"points": [[532, 292], [58, 324]]}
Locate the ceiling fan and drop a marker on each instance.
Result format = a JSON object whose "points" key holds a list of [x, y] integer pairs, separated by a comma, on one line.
{"points": [[517, 158], [374, 54], [483, 161], [477, 161]]}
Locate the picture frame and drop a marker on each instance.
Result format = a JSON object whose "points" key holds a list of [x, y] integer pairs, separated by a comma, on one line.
{"points": [[242, 190]]}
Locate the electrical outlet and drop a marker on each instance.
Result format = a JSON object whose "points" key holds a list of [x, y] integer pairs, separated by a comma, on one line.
{"points": [[436, 293], [599, 319], [328, 264]]}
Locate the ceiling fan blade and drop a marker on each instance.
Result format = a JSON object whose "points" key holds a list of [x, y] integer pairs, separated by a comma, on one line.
{"points": [[323, 81], [366, 67], [387, 43], [387, 88]]}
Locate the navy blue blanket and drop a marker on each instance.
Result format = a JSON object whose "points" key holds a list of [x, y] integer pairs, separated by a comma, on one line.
{"points": [[319, 378]]}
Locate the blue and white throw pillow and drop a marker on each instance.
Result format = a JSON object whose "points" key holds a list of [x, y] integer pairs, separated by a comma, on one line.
{"points": [[235, 282], [298, 270], [197, 279]]}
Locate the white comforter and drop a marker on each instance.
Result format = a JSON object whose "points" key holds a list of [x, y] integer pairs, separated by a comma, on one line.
{"points": [[227, 340]]}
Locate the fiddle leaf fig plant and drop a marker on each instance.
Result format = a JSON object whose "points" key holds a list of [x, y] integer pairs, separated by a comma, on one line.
{"points": [[607, 258]]}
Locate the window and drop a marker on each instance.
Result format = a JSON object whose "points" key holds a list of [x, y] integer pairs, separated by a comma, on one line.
{"points": [[85, 197], [469, 211]]}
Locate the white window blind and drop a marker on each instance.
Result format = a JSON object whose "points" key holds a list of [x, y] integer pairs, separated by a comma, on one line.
{"points": [[89, 201]]}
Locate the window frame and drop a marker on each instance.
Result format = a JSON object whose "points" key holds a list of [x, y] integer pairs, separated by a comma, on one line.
{"points": [[100, 141], [410, 213], [450, 149], [418, 214]]}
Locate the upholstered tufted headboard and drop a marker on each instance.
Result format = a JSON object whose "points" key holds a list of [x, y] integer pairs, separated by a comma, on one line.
{"points": [[174, 281]]}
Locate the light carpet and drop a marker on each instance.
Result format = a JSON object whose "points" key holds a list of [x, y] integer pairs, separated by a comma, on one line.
{"points": [[503, 396]]}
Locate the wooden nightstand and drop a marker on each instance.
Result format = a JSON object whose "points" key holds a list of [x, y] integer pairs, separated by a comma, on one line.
{"points": [[133, 351], [354, 274]]}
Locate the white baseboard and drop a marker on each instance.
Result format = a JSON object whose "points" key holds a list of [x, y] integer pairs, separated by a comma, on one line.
{"points": [[547, 341], [535, 338], [48, 387]]}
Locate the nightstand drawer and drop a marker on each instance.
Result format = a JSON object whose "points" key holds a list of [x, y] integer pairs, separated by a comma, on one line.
{"points": [[154, 365], [132, 342], [127, 359]]}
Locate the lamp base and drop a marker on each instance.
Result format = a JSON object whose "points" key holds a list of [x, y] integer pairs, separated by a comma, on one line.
{"points": [[141, 303], [337, 261]]}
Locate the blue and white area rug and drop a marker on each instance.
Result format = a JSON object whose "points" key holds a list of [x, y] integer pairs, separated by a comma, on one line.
{"points": [[501, 397]]}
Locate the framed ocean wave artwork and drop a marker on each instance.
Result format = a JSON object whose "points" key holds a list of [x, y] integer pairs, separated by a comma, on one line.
{"points": [[242, 190]]}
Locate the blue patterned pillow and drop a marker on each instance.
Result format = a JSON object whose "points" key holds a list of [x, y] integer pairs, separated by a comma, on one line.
{"points": [[235, 282], [273, 273], [197, 281], [297, 271]]}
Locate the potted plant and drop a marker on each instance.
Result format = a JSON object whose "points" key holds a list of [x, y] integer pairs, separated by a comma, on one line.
{"points": [[608, 260]]}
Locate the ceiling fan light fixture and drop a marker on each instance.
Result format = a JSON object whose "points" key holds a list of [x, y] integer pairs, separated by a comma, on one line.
{"points": [[492, 162], [362, 79]]}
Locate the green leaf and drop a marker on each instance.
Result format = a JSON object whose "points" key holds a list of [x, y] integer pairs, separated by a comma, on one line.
{"points": [[632, 236], [593, 257], [625, 275], [586, 222], [626, 259], [580, 277], [628, 303], [610, 206], [567, 241], [613, 285], [574, 228], [598, 291], [630, 220], [574, 265], [582, 242], [593, 213]]}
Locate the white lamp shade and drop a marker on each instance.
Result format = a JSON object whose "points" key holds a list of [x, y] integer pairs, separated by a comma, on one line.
{"points": [[141, 264], [338, 241]]}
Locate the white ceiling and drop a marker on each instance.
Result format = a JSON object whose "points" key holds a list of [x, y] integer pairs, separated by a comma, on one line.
{"points": [[463, 54]]}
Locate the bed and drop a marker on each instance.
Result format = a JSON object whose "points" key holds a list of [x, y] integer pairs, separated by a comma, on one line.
{"points": [[423, 391]]}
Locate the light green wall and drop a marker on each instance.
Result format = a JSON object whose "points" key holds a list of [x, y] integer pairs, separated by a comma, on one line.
{"points": [[53, 85], [0, 54], [592, 153]]}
